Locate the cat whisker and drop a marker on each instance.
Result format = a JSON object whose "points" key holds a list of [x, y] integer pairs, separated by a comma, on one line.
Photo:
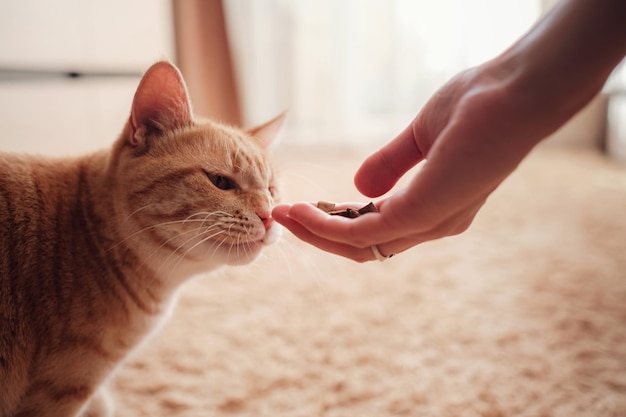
{"points": [[154, 226], [230, 249], [166, 241], [284, 246], [218, 246], [182, 255], [135, 212], [168, 223], [208, 214], [197, 232], [199, 229], [203, 240]]}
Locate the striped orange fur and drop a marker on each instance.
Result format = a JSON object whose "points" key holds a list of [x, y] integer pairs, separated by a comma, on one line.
{"points": [[93, 249]]}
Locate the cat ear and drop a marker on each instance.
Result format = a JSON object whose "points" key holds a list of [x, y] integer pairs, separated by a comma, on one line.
{"points": [[268, 132], [161, 104]]}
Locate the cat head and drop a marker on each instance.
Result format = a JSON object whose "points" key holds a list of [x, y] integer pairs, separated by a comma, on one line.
{"points": [[192, 193]]}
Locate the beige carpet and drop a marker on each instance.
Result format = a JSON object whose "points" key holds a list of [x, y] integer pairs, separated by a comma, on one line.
{"points": [[523, 315]]}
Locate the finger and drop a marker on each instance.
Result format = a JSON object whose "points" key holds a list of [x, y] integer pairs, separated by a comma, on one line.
{"points": [[380, 171], [347, 250], [360, 232], [280, 214]]}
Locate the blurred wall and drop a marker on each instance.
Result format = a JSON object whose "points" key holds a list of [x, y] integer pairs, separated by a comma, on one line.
{"points": [[354, 72], [48, 113], [351, 72]]}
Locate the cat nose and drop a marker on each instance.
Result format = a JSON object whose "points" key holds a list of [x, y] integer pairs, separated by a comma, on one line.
{"points": [[267, 220]]}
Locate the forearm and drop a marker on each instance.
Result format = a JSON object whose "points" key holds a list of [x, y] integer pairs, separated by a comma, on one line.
{"points": [[474, 131], [565, 59], [478, 128]]}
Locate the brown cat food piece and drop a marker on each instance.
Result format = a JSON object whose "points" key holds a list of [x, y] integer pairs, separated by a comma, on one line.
{"points": [[350, 212], [325, 206], [369, 208]]}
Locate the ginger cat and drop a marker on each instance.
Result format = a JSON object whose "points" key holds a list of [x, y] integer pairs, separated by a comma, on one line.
{"points": [[93, 249]]}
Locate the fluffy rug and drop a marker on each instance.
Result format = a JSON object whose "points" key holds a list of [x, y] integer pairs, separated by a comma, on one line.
{"points": [[522, 315]]}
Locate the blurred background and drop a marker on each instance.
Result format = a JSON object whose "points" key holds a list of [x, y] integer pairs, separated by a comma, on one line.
{"points": [[522, 315], [350, 72]]}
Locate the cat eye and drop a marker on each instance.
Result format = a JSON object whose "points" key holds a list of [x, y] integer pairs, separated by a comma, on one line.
{"points": [[222, 182]]}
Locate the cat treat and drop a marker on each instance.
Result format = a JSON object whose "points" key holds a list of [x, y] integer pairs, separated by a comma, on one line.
{"points": [[349, 212]]}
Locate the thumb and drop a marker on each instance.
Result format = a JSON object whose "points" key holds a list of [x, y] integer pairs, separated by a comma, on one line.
{"points": [[381, 170]]}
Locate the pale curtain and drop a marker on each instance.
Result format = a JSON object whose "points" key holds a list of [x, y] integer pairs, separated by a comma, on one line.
{"points": [[356, 70], [204, 57]]}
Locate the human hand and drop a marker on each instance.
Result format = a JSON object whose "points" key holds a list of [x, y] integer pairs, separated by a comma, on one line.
{"points": [[473, 133], [473, 138]]}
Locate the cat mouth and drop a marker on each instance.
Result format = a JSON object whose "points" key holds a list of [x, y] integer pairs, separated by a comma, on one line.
{"points": [[252, 245], [247, 245], [270, 236], [240, 253]]}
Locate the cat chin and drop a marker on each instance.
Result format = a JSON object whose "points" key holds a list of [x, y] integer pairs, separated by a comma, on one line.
{"points": [[247, 252], [241, 254]]}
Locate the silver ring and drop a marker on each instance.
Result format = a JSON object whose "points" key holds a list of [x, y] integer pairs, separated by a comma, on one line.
{"points": [[379, 255]]}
